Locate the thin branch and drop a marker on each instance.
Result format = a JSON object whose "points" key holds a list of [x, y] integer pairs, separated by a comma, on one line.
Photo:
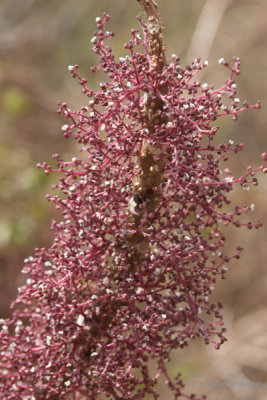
{"points": [[205, 33]]}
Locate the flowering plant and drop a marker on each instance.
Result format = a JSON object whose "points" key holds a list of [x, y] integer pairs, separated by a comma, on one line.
{"points": [[134, 260]]}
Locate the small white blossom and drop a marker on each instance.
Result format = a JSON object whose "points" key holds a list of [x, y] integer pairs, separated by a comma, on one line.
{"points": [[48, 340], [80, 320], [228, 179], [221, 60], [145, 328], [64, 127], [71, 68], [169, 125], [98, 19]]}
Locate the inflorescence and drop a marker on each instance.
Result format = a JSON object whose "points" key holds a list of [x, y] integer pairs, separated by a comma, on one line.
{"points": [[133, 263]]}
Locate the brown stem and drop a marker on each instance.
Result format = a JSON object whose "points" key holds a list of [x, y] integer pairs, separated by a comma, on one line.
{"points": [[148, 172], [154, 27]]}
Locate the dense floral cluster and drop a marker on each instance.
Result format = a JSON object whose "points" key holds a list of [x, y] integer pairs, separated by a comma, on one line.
{"points": [[125, 282]]}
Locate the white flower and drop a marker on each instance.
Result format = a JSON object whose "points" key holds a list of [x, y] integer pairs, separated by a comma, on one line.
{"points": [[48, 340], [221, 60], [71, 68], [169, 125], [80, 320], [64, 127]]}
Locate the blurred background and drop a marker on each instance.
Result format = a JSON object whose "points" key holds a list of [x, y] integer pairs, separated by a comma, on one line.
{"points": [[38, 40]]}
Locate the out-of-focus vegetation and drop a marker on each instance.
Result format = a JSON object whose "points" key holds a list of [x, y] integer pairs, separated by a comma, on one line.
{"points": [[38, 40]]}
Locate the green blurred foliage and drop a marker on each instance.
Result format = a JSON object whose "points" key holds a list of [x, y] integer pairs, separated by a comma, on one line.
{"points": [[15, 103]]}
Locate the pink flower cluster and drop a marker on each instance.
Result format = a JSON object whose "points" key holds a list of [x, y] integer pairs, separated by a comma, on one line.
{"points": [[93, 314]]}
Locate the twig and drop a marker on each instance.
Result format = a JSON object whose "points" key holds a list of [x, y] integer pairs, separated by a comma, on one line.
{"points": [[208, 23]]}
